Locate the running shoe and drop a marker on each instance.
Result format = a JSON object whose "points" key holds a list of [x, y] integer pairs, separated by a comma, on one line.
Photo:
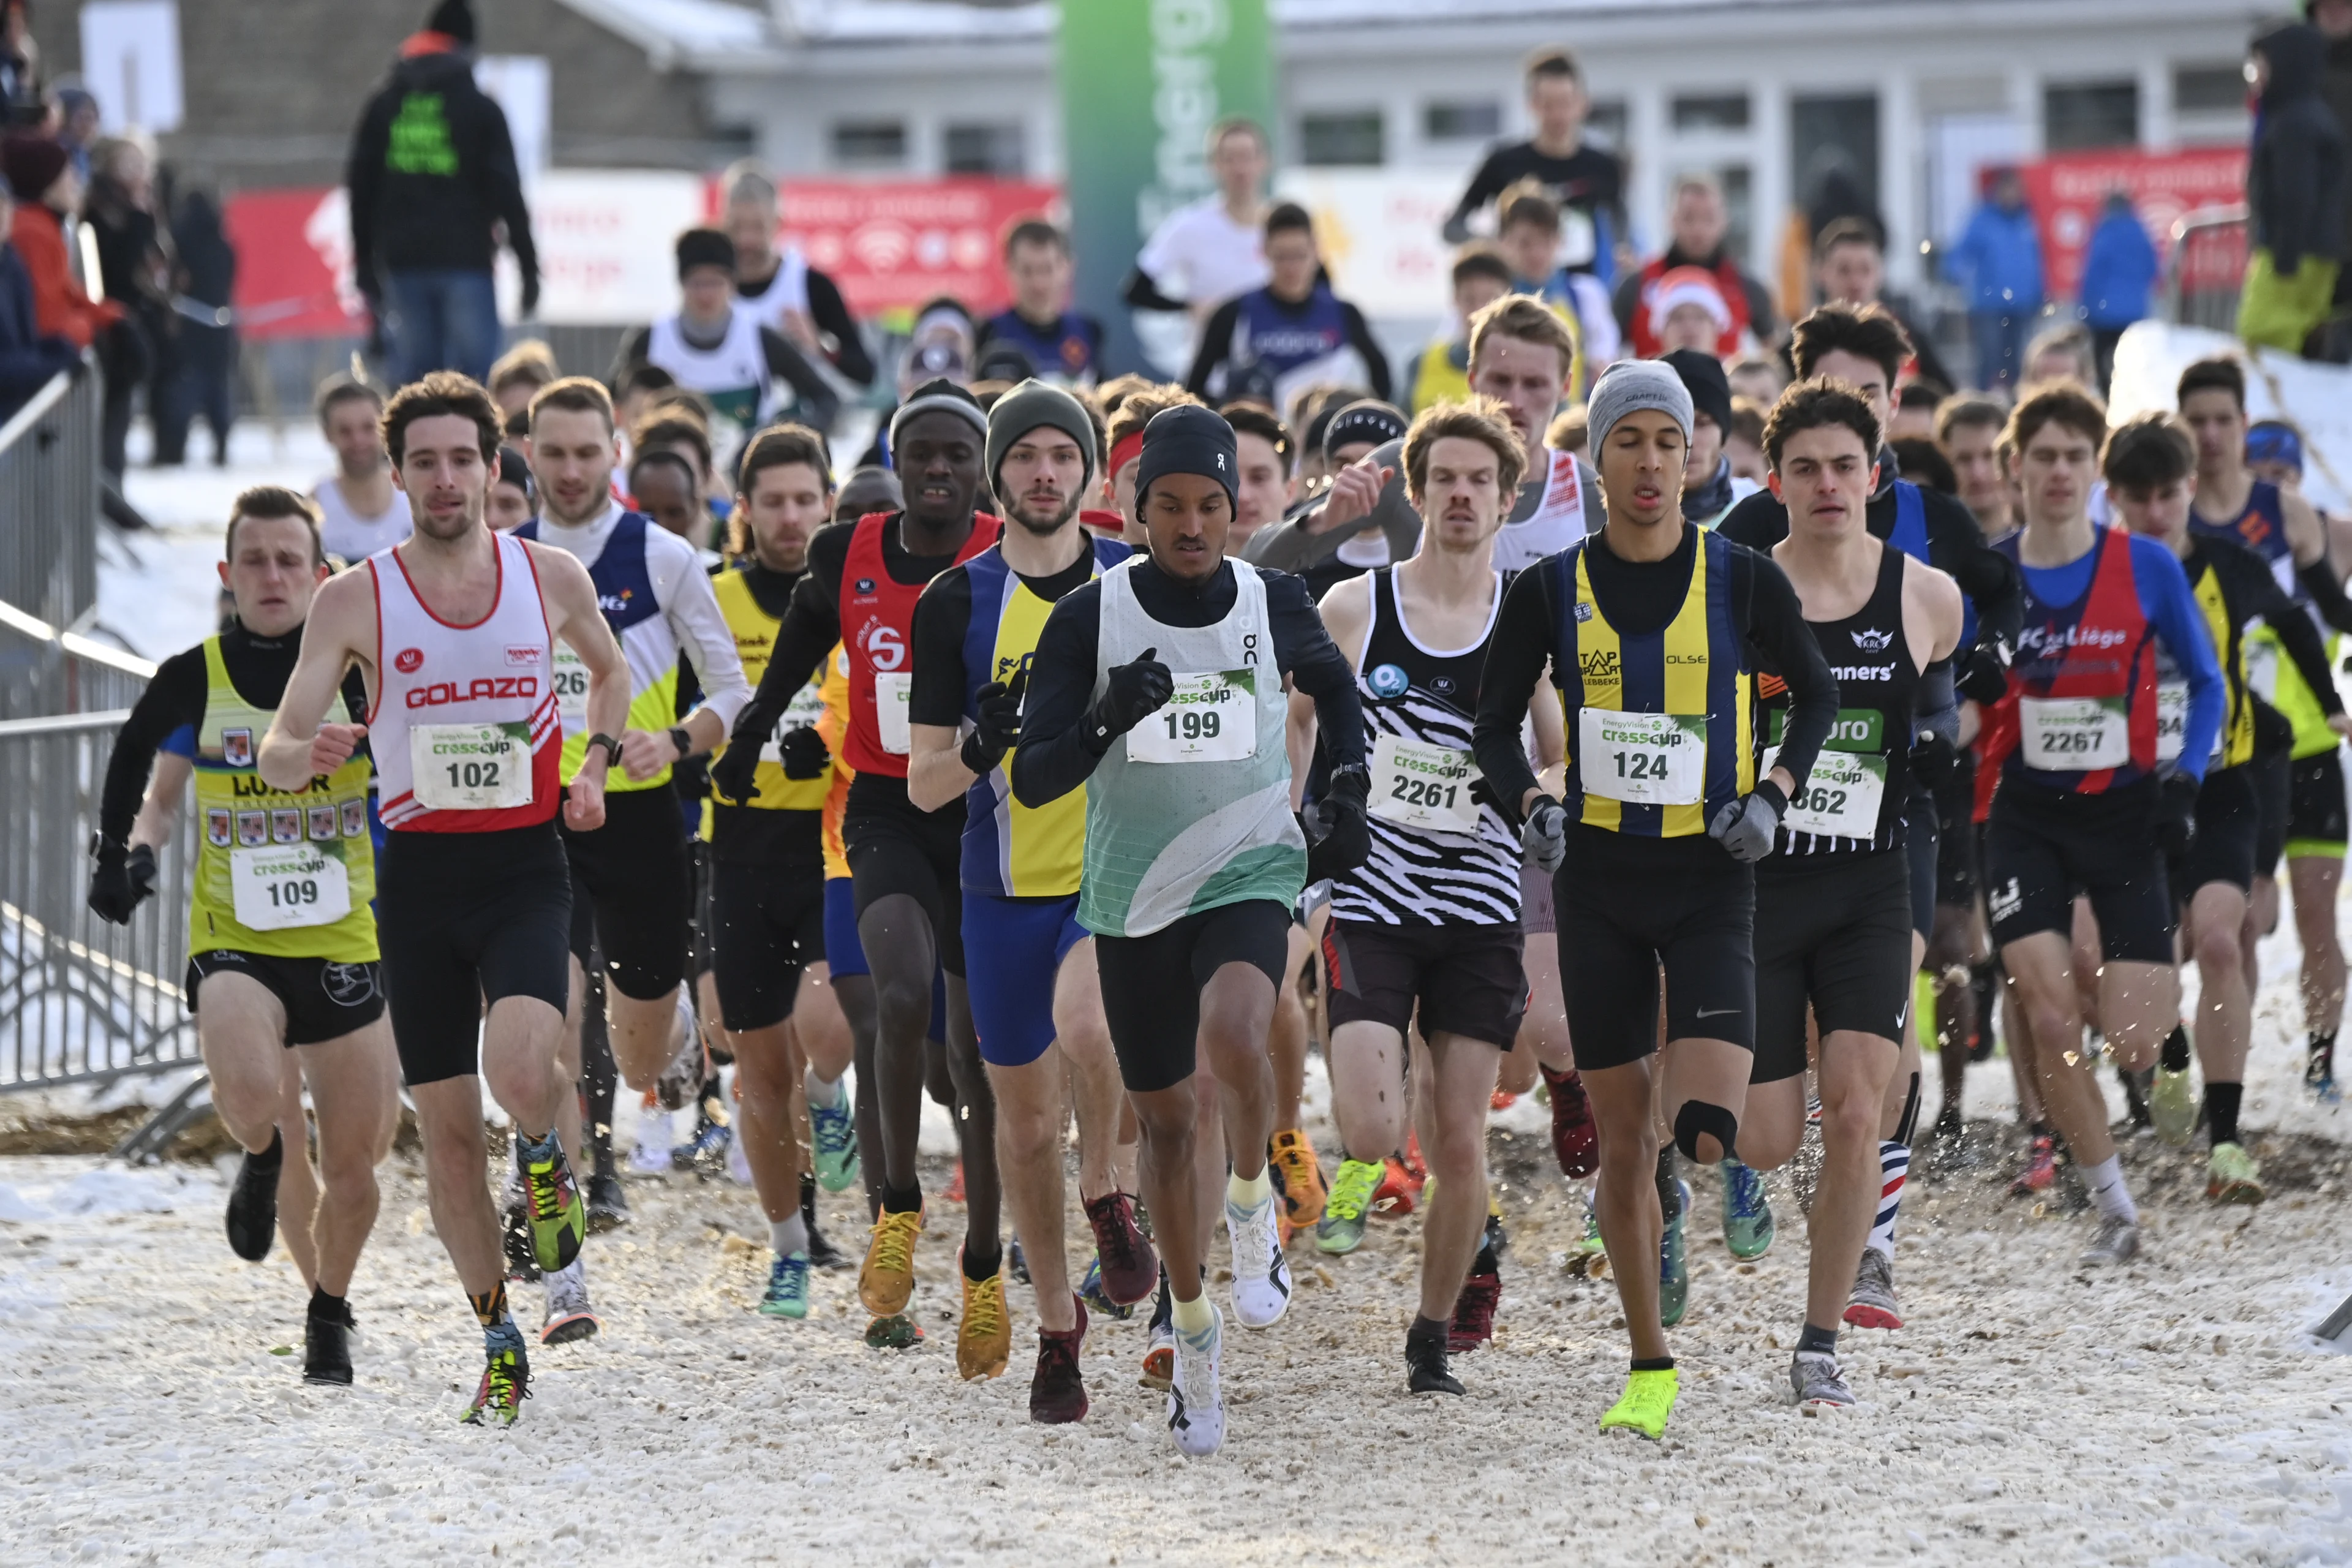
{"points": [[2231, 1176], [887, 1278], [1160, 1343], [897, 1331], [1673, 1262], [2135, 1088], [2319, 1073], [1473, 1323], [1127, 1266], [2116, 1242], [1196, 1403], [984, 1334], [1425, 1369], [687, 1070], [1016, 1262], [1299, 1175], [559, 1220], [649, 1155], [1341, 1229], [2040, 1167], [1501, 1100], [832, 1128], [787, 1287], [1747, 1212], [569, 1316], [1492, 1237], [704, 1152], [327, 1347], [1261, 1271], [253, 1207], [514, 1221], [954, 1191], [1090, 1292], [1057, 1390], [1648, 1400], [1817, 1382], [1575, 1142], [1871, 1303], [822, 1253], [2173, 1104], [1399, 1190], [1948, 1130], [608, 1206], [1592, 1246], [505, 1379]]}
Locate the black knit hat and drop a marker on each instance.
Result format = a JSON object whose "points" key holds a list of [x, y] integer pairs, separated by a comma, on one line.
{"points": [[704, 248], [1187, 439], [454, 19], [1709, 389]]}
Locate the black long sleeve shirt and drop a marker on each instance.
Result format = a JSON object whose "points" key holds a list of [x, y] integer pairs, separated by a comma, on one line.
{"points": [[1055, 755]]}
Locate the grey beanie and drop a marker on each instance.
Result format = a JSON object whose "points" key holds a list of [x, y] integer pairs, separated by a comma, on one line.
{"points": [[1628, 386], [1035, 404], [938, 397]]}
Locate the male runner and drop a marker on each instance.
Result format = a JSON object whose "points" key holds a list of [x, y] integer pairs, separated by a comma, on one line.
{"points": [[2083, 791], [634, 876], [359, 511], [1292, 332], [1193, 859], [778, 286], [1036, 1001], [1430, 921], [1834, 903], [2150, 465], [1065, 346], [282, 943], [454, 632], [860, 591], [1646, 627]]}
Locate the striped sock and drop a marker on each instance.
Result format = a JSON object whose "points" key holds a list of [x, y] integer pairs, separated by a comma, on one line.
{"points": [[1894, 1170]]}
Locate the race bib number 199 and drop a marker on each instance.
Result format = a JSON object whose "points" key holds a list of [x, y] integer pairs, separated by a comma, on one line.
{"points": [[1208, 717], [471, 767], [1642, 758]]}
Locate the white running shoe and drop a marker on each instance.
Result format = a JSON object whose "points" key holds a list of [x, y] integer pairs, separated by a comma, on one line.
{"points": [[1261, 1273], [569, 1316], [1196, 1403], [2113, 1244]]}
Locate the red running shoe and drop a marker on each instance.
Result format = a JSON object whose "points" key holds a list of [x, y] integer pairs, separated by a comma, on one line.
{"points": [[2040, 1167], [1398, 1191], [1057, 1393], [1575, 1142], [954, 1195], [1130, 1268], [1502, 1100], [1474, 1312]]}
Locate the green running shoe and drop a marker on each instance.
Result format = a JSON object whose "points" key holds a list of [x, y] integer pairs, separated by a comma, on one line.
{"points": [[788, 1283], [1341, 1228], [2233, 1176], [2172, 1105], [1592, 1246], [834, 1131], [1673, 1269], [1747, 1212], [1648, 1400], [897, 1331], [505, 1379], [559, 1219]]}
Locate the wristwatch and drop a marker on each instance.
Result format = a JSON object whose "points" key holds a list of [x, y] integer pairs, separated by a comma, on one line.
{"points": [[612, 749], [682, 741]]}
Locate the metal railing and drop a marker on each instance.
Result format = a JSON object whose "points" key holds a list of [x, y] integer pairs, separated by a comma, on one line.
{"points": [[49, 501], [45, 672], [2208, 267]]}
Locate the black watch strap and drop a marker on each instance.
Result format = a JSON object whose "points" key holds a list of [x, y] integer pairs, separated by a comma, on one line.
{"points": [[682, 741], [611, 748]]}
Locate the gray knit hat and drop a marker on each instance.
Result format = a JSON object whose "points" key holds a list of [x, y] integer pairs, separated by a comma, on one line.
{"points": [[938, 397], [1033, 404], [1628, 386]]}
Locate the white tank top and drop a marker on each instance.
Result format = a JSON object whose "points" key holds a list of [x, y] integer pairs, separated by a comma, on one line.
{"points": [[787, 290], [346, 533], [1568, 508], [465, 730]]}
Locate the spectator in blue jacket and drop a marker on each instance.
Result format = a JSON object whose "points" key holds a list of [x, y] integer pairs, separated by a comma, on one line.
{"points": [[1997, 258], [28, 359], [2119, 268]]}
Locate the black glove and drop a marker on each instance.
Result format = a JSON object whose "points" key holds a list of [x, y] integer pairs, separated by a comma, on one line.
{"points": [[122, 881], [1135, 689], [1746, 826], [2176, 816], [530, 295], [1933, 759], [1985, 678], [1545, 836], [736, 773], [1338, 838], [998, 726], [804, 751], [2273, 731]]}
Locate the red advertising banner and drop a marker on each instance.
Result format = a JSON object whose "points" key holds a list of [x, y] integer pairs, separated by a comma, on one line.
{"points": [[293, 263], [2067, 192], [895, 244]]}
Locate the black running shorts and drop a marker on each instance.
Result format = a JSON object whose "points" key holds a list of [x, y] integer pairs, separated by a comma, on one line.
{"points": [[323, 1000], [633, 892], [2042, 846], [468, 920], [2316, 809], [1466, 980], [1151, 985], [894, 848], [767, 925], [2229, 819], [1627, 905], [2269, 776], [1833, 934]]}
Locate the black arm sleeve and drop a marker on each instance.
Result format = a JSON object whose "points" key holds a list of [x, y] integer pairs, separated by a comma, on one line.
{"points": [[175, 697], [1483, 188], [1303, 650], [1216, 342], [818, 405], [1775, 628], [2326, 591], [1053, 758], [1141, 292], [812, 625], [943, 615], [1515, 664], [1368, 347], [1989, 579], [829, 313]]}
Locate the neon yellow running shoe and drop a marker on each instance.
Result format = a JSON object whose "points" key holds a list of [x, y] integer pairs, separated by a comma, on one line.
{"points": [[2172, 1105], [2233, 1176], [1648, 1400], [1341, 1228]]}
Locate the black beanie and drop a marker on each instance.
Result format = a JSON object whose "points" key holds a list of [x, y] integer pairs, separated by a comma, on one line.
{"points": [[1035, 404], [1710, 390], [454, 19], [1367, 420], [1187, 439], [704, 248]]}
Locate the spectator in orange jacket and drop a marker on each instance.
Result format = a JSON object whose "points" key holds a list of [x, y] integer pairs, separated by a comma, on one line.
{"points": [[40, 176]]}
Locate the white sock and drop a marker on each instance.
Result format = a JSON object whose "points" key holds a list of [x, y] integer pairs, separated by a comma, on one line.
{"points": [[1247, 1193], [1894, 1170], [2105, 1181], [820, 1091], [788, 1235]]}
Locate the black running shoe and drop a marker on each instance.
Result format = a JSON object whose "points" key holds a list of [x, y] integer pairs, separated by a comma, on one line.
{"points": [[253, 1205], [608, 1206], [1017, 1265], [327, 1349], [822, 1253], [1424, 1361], [522, 1259]]}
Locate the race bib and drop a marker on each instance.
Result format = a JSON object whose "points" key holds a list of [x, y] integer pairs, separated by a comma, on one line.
{"points": [[571, 690], [1208, 717], [1421, 786], [1840, 797], [2069, 734], [892, 691], [280, 888], [471, 767], [801, 713], [1642, 758]]}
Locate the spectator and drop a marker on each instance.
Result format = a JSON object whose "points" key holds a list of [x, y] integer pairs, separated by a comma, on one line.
{"points": [[1699, 222], [1268, 343], [1998, 260], [2060, 352], [1441, 374], [1586, 183], [1743, 443], [2295, 194], [431, 179], [1531, 244], [1063, 346], [206, 274], [77, 123], [517, 375], [1849, 269], [20, 65], [46, 192], [1836, 198], [780, 287], [1685, 309], [28, 357], [1710, 487], [1209, 251], [133, 270], [2119, 268]]}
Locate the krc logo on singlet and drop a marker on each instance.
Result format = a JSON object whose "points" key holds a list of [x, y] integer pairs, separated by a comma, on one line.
{"points": [[482, 689]]}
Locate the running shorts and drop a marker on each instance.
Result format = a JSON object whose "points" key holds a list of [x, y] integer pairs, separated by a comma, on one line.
{"points": [[2269, 777], [1624, 906], [842, 953], [1832, 932], [894, 848], [699, 929], [1017, 948], [466, 921], [323, 1000], [767, 925], [633, 892], [1957, 872], [1151, 985], [2316, 806], [2229, 818], [1466, 980], [1922, 850], [2042, 846]]}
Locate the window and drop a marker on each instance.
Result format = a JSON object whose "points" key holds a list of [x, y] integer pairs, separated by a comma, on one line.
{"points": [[1328, 138], [1605, 123], [1710, 112], [2090, 114], [1461, 121], [869, 144], [2208, 89], [1000, 150]]}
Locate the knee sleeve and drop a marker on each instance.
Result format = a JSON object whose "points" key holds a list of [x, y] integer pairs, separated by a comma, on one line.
{"points": [[1910, 1119], [1698, 1119]]}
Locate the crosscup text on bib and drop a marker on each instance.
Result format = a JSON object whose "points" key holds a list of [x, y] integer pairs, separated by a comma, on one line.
{"points": [[1647, 759], [1208, 717]]}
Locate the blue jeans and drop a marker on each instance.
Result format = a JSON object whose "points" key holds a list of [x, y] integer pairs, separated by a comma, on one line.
{"points": [[1999, 343], [442, 319]]}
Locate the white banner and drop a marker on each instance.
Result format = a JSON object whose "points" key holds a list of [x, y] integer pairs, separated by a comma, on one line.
{"points": [[1379, 230], [605, 239]]}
